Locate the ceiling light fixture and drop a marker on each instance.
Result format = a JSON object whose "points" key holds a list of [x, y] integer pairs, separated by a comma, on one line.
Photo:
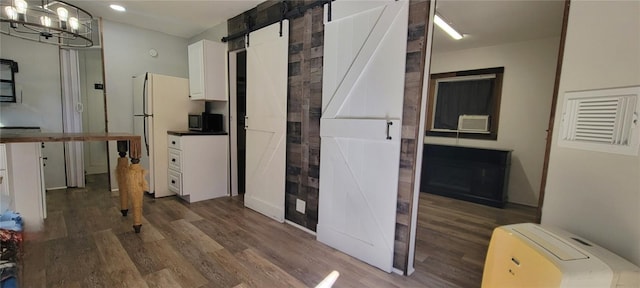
{"points": [[117, 7], [47, 21], [447, 28]]}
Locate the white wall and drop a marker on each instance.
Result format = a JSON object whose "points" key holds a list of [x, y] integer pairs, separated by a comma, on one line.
{"points": [[214, 33], [39, 100], [593, 194], [126, 54], [527, 91]]}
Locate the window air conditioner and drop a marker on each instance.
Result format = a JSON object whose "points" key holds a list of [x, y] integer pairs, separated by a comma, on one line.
{"points": [[473, 123]]}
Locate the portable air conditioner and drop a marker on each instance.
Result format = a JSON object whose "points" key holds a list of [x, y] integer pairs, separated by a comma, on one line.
{"points": [[530, 255], [473, 123]]}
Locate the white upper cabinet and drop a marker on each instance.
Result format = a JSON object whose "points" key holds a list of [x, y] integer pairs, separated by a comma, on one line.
{"points": [[208, 71]]}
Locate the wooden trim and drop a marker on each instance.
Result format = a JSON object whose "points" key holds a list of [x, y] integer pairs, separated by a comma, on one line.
{"points": [[497, 99], [552, 114], [430, 107], [104, 98]]}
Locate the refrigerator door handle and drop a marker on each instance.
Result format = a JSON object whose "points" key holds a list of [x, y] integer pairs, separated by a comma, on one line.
{"points": [[146, 142]]}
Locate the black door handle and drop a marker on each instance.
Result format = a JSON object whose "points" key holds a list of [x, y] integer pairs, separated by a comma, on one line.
{"points": [[389, 123]]}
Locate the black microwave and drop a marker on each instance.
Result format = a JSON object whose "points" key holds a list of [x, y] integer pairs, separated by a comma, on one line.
{"points": [[206, 122]]}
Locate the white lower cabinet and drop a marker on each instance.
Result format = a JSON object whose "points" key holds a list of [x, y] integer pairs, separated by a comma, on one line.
{"points": [[24, 191], [198, 167]]}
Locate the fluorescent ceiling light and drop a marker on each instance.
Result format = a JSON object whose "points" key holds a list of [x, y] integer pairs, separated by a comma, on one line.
{"points": [[444, 26], [117, 8]]}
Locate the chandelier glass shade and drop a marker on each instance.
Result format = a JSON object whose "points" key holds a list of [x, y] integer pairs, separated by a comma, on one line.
{"points": [[47, 21]]}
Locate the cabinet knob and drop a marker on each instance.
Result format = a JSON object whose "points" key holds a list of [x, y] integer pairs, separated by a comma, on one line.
{"points": [[173, 160], [173, 181], [173, 142]]}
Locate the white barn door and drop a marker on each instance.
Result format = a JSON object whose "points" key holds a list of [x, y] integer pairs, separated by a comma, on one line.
{"points": [[362, 95], [266, 128]]}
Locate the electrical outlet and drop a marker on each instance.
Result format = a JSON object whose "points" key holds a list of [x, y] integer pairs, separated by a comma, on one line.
{"points": [[300, 206]]}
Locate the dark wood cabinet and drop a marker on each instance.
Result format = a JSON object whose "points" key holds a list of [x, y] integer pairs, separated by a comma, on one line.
{"points": [[466, 173]]}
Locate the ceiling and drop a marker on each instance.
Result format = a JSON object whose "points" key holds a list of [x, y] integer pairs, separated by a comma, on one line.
{"points": [[488, 23], [179, 18], [483, 22]]}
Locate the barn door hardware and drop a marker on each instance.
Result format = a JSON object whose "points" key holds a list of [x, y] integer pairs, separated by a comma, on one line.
{"points": [[288, 10], [249, 23], [283, 12]]}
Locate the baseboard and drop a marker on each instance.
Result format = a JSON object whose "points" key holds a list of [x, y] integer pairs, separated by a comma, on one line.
{"points": [[305, 229], [397, 271], [56, 188], [411, 270]]}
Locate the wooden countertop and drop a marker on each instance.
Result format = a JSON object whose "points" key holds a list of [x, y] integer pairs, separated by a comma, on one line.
{"points": [[134, 140], [63, 137]]}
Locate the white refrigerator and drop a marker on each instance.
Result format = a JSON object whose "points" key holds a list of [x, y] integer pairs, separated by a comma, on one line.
{"points": [[160, 103]]}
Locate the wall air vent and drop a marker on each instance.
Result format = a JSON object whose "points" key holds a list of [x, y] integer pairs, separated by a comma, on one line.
{"points": [[601, 120], [473, 123]]}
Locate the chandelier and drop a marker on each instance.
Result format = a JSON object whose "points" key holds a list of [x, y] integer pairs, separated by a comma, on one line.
{"points": [[47, 21]]}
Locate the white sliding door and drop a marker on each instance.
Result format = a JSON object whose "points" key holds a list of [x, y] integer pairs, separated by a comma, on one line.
{"points": [[72, 108], [266, 123], [362, 95]]}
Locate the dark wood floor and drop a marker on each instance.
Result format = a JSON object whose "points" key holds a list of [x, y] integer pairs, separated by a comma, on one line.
{"points": [[219, 243]]}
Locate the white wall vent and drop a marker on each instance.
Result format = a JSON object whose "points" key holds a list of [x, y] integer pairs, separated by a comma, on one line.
{"points": [[473, 123], [601, 120]]}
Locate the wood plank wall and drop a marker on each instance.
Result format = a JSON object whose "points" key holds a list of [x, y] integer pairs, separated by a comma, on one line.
{"points": [[416, 55], [306, 40], [304, 108], [304, 103]]}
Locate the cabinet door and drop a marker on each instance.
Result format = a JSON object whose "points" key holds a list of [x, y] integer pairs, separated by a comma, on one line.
{"points": [[196, 71], [208, 71]]}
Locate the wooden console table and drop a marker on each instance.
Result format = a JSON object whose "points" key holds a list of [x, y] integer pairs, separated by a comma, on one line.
{"points": [[472, 174], [126, 143]]}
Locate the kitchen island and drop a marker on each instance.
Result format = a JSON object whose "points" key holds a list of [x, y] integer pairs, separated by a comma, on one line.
{"points": [[22, 155]]}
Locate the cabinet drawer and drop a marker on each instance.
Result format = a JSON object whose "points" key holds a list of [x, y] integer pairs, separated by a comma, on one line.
{"points": [[175, 181], [175, 159], [173, 141]]}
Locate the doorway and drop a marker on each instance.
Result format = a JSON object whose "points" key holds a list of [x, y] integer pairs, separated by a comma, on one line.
{"points": [[241, 112], [84, 109], [238, 112], [455, 223], [93, 112]]}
